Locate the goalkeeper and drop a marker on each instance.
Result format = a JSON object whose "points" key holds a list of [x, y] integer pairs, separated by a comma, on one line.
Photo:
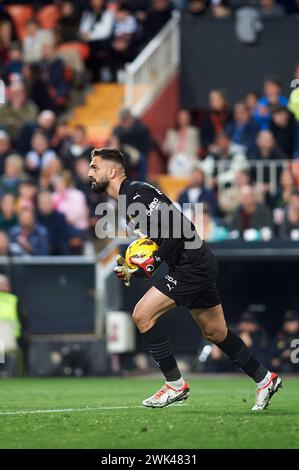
{"points": [[191, 281]]}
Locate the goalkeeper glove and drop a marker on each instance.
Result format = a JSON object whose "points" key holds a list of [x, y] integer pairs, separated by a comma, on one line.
{"points": [[146, 267], [123, 271]]}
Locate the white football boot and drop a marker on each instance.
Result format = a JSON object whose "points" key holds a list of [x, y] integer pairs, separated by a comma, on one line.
{"points": [[264, 394], [167, 395]]}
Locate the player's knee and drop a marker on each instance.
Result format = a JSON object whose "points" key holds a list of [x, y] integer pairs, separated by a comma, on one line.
{"points": [[140, 318], [215, 335]]}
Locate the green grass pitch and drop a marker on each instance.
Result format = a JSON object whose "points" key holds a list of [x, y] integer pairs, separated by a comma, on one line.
{"points": [[105, 413]]}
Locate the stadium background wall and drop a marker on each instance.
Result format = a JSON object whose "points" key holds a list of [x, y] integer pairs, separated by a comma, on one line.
{"points": [[245, 66]]}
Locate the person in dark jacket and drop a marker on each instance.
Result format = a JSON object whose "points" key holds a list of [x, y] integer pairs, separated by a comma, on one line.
{"points": [[250, 214], [197, 192], [55, 223], [243, 129], [29, 237], [133, 132]]}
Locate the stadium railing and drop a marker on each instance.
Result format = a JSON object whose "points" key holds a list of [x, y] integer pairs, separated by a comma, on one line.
{"points": [[153, 67]]}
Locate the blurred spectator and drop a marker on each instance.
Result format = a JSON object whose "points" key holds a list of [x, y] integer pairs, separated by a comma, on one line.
{"points": [[271, 9], [220, 8], [197, 7], [272, 97], [26, 194], [78, 148], [227, 158], [34, 41], [72, 203], [254, 336], [159, 14], [96, 28], [250, 215], [5, 148], [68, 23], [281, 348], [6, 37], [54, 76], [216, 118], [13, 68], [283, 128], [122, 44], [289, 228], [18, 110], [4, 245], [197, 192], [267, 149], [13, 171], [182, 145], [285, 190], [8, 217], [55, 223], [29, 237], [229, 198], [40, 154], [251, 101], [243, 129], [212, 230], [82, 183], [131, 131]]}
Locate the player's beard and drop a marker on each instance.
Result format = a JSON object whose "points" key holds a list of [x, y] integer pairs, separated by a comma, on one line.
{"points": [[100, 187]]}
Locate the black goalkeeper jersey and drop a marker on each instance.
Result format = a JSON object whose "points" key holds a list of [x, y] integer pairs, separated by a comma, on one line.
{"points": [[146, 208]]}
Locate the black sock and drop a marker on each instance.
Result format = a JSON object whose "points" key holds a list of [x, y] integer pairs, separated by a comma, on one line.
{"points": [[238, 352], [162, 352]]}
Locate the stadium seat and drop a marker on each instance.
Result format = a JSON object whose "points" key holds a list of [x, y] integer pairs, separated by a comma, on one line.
{"points": [[20, 15], [172, 186], [48, 16]]}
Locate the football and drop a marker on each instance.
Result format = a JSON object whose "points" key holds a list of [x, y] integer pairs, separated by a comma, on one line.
{"points": [[142, 248]]}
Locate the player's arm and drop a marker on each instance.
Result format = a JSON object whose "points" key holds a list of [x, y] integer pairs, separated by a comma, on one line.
{"points": [[151, 201]]}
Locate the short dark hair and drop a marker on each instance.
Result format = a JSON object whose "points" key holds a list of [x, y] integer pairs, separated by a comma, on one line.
{"points": [[109, 153]]}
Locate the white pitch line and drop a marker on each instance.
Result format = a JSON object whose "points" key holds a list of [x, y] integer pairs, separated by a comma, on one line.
{"points": [[67, 410], [74, 410]]}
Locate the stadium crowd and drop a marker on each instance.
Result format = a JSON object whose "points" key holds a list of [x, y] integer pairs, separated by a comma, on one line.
{"points": [[46, 204]]}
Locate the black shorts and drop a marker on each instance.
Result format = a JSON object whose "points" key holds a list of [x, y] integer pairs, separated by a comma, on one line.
{"points": [[192, 282]]}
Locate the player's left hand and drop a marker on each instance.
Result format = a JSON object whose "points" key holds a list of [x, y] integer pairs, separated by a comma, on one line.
{"points": [[146, 267]]}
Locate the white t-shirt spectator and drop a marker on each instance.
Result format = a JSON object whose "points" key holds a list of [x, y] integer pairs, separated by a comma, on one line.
{"points": [[33, 45], [97, 30], [126, 26], [35, 161]]}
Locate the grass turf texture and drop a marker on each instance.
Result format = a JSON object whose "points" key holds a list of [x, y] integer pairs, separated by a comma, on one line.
{"points": [[217, 415]]}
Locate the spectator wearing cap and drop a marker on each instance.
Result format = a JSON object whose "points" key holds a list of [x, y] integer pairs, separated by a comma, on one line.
{"points": [[250, 214], [281, 347], [8, 216], [131, 131], [182, 145], [5, 148], [18, 110], [55, 223], [272, 97], [243, 129], [28, 237], [197, 192]]}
